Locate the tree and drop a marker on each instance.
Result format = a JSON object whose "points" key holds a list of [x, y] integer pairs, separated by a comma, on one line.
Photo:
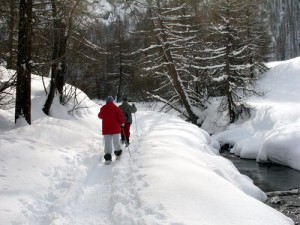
{"points": [[120, 63], [6, 90], [230, 56], [255, 37], [284, 20], [167, 55], [60, 38], [9, 19], [23, 87], [63, 13]]}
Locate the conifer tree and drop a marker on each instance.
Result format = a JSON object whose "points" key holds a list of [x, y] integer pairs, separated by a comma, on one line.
{"points": [[230, 56], [167, 55], [23, 86]]}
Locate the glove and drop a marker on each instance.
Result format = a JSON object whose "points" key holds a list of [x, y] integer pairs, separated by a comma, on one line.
{"points": [[122, 125]]}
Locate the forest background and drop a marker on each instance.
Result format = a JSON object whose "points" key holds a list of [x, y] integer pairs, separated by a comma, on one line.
{"points": [[182, 53]]}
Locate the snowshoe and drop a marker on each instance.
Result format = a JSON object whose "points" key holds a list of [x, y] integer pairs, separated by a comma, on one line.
{"points": [[107, 158], [118, 154], [107, 162]]}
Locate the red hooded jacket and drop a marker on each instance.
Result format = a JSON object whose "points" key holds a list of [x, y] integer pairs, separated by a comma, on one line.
{"points": [[112, 118]]}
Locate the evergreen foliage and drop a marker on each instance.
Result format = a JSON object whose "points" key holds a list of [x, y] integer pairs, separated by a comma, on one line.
{"points": [[179, 52]]}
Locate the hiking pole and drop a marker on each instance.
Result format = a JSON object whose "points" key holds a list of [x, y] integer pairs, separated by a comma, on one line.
{"points": [[126, 140]]}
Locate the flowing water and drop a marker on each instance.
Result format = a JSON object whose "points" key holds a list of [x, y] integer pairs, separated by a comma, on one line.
{"points": [[268, 177]]}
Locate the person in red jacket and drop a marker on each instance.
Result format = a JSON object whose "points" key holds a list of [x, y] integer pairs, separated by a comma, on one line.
{"points": [[112, 120]]}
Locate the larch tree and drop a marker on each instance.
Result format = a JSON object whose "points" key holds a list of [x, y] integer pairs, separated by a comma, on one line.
{"points": [[9, 15], [119, 62], [63, 15], [167, 55], [284, 20], [228, 56], [255, 36], [23, 86]]}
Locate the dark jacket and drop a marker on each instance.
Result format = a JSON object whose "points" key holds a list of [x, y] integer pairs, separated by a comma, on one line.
{"points": [[112, 118], [127, 110]]}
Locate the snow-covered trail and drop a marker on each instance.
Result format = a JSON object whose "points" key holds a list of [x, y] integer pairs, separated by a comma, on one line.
{"points": [[92, 206], [149, 187], [111, 193], [173, 177], [108, 195]]}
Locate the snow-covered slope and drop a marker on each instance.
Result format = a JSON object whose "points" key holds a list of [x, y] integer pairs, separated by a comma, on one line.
{"points": [[51, 174], [273, 131]]}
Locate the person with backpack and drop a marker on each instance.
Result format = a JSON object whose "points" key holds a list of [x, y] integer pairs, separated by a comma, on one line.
{"points": [[112, 120], [127, 110]]}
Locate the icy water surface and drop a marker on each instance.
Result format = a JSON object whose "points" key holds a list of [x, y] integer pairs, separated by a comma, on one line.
{"points": [[268, 177]]}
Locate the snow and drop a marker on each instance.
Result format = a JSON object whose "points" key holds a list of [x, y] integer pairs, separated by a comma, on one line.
{"points": [[52, 172], [273, 131]]}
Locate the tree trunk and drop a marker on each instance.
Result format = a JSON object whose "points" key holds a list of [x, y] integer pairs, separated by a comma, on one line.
{"points": [[172, 71], [58, 69], [121, 74], [23, 88], [61, 67]]}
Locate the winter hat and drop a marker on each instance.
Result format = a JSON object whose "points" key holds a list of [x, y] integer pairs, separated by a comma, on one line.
{"points": [[109, 99], [125, 99]]}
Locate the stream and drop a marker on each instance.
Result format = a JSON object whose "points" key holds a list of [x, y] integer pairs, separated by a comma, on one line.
{"points": [[268, 177], [276, 181]]}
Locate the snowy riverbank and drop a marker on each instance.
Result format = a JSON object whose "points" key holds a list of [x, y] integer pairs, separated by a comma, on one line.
{"points": [[50, 174], [273, 131]]}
